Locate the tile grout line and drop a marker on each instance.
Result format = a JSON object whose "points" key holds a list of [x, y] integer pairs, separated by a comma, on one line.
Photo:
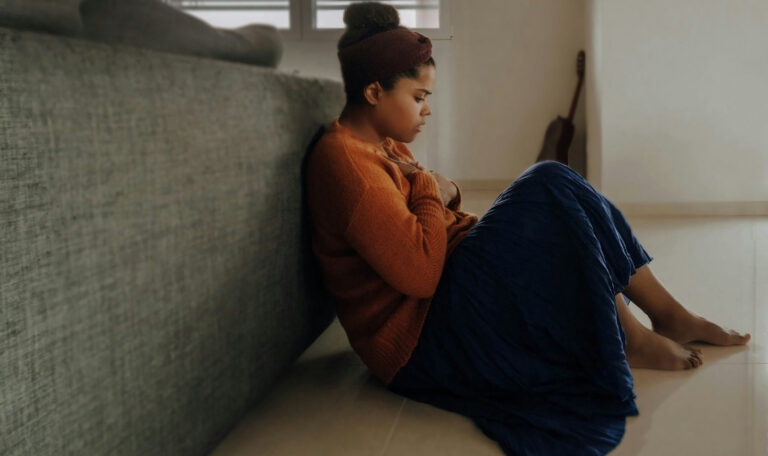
{"points": [[392, 429], [754, 278], [751, 386]]}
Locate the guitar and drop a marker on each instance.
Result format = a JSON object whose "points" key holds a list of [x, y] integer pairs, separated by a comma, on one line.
{"points": [[559, 134]]}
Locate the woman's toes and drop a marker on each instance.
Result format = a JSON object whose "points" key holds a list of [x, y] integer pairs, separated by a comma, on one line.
{"points": [[737, 338], [697, 355], [725, 336], [706, 331], [695, 359], [695, 352]]}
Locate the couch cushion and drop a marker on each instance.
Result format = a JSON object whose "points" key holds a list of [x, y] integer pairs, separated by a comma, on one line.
{"points": [[53, 16], [155, 25]]}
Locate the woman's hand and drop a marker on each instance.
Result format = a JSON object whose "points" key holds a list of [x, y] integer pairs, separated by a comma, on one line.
{"points": [[448, 190], [406, 167]]}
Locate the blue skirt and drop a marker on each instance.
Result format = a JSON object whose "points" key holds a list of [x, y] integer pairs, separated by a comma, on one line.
{"points": [[522, 334]]}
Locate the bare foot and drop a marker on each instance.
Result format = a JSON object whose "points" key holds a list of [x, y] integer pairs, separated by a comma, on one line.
{"points": [[684, 326], [647, 349]]}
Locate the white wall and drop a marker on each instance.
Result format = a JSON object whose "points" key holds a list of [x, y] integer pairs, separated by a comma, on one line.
{"points": [[672, 112], [680, 100], [593, 81], [508, 71]]}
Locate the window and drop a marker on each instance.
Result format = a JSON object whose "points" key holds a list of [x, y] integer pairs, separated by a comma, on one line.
{"points": [[314, 20], [413, 13]]}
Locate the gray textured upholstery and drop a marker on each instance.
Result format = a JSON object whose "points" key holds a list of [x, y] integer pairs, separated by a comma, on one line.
{"points": [[51, 16], [156, 277], [146, 23], [155, 25]]}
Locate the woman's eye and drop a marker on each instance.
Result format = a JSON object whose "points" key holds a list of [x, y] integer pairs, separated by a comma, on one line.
{"points": [[419, 99]]}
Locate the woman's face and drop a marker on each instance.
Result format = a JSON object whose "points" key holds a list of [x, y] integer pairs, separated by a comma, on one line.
{"points": [[401, 111]]}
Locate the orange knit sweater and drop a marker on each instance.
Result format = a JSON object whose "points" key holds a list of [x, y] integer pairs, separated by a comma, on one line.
{"points": [[381, 240]]}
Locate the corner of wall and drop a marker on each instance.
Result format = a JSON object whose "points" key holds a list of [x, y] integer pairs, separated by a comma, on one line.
{"points": [[592, 94]]}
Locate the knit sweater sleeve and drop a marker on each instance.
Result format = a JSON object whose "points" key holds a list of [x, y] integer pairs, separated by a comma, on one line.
{"points": [[405, 242]]}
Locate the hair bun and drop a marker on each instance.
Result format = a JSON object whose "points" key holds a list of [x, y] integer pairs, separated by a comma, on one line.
{"points": [[372, 16]]}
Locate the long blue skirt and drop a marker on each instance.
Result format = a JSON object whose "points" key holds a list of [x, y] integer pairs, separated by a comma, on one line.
{"points": [[523, 335]]}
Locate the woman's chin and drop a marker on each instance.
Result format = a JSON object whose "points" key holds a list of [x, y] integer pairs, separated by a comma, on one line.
{"points": [[408, 137]]}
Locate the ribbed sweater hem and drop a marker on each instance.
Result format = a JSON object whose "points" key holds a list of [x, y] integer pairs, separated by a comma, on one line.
{"points": [[392, 357]]}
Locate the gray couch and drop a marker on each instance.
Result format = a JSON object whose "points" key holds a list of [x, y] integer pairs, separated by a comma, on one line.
{"points": [[156, 278]]}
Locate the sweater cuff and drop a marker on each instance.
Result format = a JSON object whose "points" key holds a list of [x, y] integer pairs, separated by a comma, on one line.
{"points": [[422, 183]]}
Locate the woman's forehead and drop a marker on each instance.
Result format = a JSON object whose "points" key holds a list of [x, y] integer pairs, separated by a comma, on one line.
{"points": [[416, 85], [422, 84]]}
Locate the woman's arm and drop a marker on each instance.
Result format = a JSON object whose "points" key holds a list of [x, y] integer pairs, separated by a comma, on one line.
{"points": [[449, 191], [404, 241]]}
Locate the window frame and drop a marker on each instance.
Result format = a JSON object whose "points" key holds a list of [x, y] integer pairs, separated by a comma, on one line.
{"points": [[302, 18], [444, 32]]}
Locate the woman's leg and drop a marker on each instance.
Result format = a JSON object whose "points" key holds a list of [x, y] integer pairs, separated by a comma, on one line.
{"points": [[647, 349], [648, 293], [669, 318]]}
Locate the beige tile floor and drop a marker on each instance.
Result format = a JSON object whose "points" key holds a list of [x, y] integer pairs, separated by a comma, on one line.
{"points": [[330, 404]]}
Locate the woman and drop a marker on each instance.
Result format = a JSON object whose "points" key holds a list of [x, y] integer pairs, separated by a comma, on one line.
{"points": [[518, 320]]}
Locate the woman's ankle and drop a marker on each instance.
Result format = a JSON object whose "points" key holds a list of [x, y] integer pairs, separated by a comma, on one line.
{"points": [[674, 313]]}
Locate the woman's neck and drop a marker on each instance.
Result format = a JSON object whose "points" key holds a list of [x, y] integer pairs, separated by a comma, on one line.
{"points": [[360, 126]]}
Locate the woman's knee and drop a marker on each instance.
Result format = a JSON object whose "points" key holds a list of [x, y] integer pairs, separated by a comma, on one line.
{"points": [[550, 170], [541, 174]]}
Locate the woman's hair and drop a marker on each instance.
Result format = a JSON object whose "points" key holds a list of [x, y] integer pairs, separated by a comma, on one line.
{"points": [[363, 20]]}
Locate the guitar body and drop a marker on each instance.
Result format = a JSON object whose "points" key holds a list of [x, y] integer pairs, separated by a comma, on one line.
{"points": [[559, 135]]}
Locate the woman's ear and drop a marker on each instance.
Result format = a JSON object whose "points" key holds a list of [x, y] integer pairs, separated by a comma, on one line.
{"points": [[373, 92]]}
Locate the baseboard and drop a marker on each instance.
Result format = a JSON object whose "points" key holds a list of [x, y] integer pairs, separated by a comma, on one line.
{"points": [[666, 209], [693, 209], [483, 184]]}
